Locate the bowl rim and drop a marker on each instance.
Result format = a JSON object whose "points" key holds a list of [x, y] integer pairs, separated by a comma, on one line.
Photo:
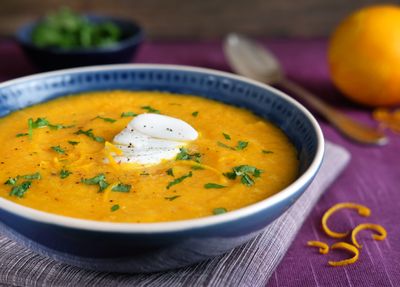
{"points": [[131, 40], [169, 226]]}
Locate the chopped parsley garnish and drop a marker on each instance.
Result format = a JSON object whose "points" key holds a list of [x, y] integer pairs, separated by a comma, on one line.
{"points": [[185, 155], [99, 180], [150, 109], [22, 135], [244, 171], [219, 210], [58, 149], [144, 173], [89, 133], [170, 172], [73, 142], [64, 173], [30, 128], [41, 123], [109, 120], [115, 207], [179, 179], [221, 144], [226, 136], [240, 145], [11, 181], [195, 114], [128, 114], [20, 190], [197, 167], [35, 175], [171, 198], [120, 187], [267, 151], [213, 185]]}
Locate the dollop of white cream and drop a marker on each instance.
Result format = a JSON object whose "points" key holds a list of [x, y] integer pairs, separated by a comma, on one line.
{"points": [[150, 138]]}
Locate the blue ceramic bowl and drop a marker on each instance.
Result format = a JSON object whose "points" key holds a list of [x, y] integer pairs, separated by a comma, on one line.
{"points": [[51, 58], [148, 247]]}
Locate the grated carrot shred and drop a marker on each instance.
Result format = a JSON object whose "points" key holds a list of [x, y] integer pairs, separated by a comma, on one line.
{"points": [[347, 247], [323, 247], [376, 227], [109, 148], [361, 209]]}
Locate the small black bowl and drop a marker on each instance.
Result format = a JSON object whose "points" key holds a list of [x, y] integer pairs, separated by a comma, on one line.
{"points": [[52, 58]]}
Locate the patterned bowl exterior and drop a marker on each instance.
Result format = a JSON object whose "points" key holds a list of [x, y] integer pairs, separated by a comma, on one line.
{"points": [[153, 247]]}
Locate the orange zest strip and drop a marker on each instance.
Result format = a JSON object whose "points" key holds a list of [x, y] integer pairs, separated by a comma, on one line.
{"points": [[323, 247], [347, 247], [361, 209], [376, 227]]}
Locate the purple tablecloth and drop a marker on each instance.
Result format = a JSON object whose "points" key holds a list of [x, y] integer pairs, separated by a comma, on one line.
{"points": [[372, 178]]}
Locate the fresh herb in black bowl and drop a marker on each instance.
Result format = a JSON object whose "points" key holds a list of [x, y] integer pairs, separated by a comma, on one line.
{"points": [[65, 39]]}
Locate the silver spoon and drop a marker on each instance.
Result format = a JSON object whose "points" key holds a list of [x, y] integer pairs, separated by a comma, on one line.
{"points": [[250, 59]]}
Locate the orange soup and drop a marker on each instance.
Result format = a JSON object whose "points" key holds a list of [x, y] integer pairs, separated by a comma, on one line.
{"points": [[57, 157]]}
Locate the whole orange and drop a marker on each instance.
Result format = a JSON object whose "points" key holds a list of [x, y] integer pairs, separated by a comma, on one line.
{"points": [[364, 56]]}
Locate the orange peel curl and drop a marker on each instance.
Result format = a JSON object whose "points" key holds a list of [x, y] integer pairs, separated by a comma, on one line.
{"points": [[376, 227], [347, 247], [323, 247], [361, 209]]}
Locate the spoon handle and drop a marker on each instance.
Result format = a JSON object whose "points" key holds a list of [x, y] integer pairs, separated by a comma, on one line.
{"points": [[350, 128]]}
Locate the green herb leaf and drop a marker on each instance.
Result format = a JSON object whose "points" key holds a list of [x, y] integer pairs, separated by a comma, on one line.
{"points": [[41, 123], [109, 120], [59, 126], [226, 136], [22, 135], [30, 128], [67, 30], [64, 173], [221, 144], [185, 155], [20, 190], [241, 145], [35, 175], [219, 210], [197, 167], [11, 181], [171, 198], [267, 151], [247, 180], [150, 109], [213, 185], [58, 149], [170, 172], [179, 179], [73, 142], [99, 180], [128, 114], [115, 207], [120, 187], [89, 133], [195, 114], [244, 171]]}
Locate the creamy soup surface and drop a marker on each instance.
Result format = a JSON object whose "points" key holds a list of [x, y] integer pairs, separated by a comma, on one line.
{"points": [[58, 157]]}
